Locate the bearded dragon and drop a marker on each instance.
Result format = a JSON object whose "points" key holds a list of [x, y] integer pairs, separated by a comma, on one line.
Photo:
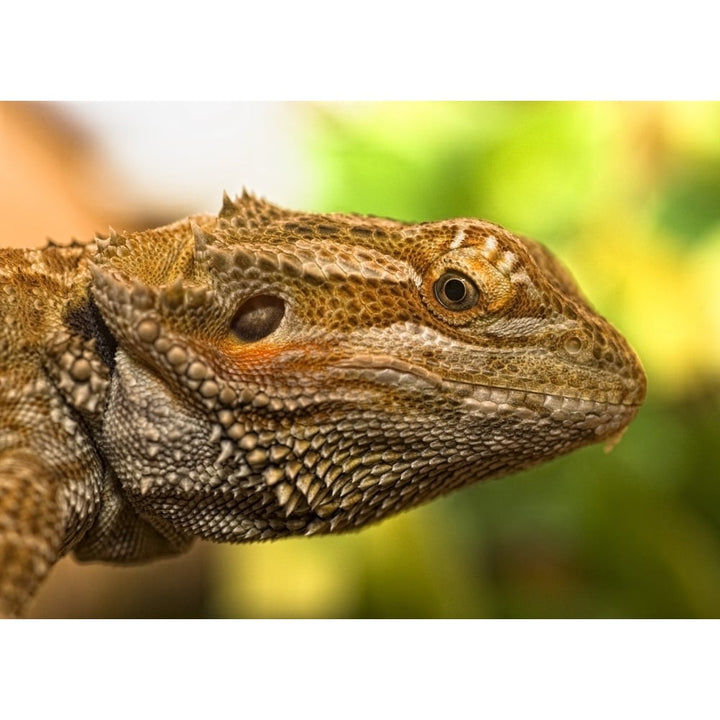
{"points": [[264, 373]]}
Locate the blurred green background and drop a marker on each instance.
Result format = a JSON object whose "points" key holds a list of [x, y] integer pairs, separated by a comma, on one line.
{"points": [[629, 196]]}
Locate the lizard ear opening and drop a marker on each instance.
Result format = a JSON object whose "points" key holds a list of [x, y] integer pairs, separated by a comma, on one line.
{"points": [[258, 317]]}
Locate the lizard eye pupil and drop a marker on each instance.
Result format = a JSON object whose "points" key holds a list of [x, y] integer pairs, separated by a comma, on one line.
{"points": [[456, 291], [258, 317]]}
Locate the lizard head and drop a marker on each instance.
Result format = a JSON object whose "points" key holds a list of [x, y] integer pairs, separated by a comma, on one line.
{"points": [[283, 373]]}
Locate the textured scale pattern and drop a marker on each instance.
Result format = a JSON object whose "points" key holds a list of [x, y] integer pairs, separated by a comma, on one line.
{"points": [[264, 373]]}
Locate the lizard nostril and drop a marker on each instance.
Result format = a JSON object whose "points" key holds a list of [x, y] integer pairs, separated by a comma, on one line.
{"points": [[258, 317], [573, 345]]}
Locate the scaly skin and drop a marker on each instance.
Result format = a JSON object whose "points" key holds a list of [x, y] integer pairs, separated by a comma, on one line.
{"points": [[266, 373]]}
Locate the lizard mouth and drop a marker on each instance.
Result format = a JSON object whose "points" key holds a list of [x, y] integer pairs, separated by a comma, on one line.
{"points": [[391, 370], [485, 396], [602, 418]]}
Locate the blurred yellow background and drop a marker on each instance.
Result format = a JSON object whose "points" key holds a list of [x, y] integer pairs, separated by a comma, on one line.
{"points": [[627, 195]]}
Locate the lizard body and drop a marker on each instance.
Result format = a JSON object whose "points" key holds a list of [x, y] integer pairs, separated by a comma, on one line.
{"points": [[264, 373]]}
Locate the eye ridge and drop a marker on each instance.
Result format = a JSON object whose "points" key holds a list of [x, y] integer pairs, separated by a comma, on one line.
{"points": [[258, 317], [456, 291]]}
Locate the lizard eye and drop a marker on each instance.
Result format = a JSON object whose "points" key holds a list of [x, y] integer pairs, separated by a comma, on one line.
{"points": [[258, 317], [456, 291]]}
